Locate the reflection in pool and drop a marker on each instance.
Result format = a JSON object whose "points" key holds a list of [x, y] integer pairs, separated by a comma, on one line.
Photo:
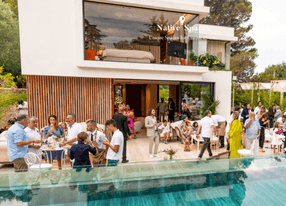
{"points": [[218, 182]]}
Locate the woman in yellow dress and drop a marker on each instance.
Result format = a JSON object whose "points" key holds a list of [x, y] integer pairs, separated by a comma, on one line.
{"points": [[235, 136]]}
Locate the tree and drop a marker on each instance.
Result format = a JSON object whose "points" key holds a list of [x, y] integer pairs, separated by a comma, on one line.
{"points": [[14, 6], [93, 36], [278, 70], [243, 65], [235, 13], [7, 80], [272, 72], [154, 31], [232, 13], [9, 41]]}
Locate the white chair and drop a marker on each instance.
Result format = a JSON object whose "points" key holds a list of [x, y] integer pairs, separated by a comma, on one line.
{"points": [[246, 152], [214, 140], [72, 162], [198, 140], [34, 162], [269, 133]]}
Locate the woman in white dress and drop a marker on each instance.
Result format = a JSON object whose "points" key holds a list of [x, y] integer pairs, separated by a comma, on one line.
{"points": [[277, 138]]}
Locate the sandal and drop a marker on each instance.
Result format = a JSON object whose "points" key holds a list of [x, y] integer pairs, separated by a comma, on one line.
{"points": [[198, 159]]}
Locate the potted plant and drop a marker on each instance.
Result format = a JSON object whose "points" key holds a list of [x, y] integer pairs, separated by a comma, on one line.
{"points": [[209, 103], [193, 58], [210, 61], [170, 152]]}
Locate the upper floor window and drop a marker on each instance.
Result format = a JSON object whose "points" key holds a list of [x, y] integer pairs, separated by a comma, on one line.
{"points": [[128, 34]]}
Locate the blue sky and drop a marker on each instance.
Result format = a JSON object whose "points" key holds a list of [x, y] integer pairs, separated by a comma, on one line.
{"points": [[269, 32]]}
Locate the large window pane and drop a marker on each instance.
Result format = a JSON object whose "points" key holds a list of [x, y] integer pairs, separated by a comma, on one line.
{"points": [[193, 97], [127, 34]]}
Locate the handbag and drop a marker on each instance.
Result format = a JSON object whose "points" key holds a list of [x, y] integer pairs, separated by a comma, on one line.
{"points": [[279, 131]]}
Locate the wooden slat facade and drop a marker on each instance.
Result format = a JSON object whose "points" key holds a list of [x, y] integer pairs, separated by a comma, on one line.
{"points": [[88, 98]]}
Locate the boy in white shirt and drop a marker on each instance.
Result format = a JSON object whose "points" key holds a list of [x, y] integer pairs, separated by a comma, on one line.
{"points": [[165, 130], [115, 147]]}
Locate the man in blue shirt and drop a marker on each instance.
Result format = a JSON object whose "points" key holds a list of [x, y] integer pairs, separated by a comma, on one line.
{"points": [[80, 151], [17, 143], [252, 133]]}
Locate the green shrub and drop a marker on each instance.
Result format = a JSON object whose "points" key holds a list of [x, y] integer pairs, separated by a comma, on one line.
{"points": [[208, 103], [8, 98]]}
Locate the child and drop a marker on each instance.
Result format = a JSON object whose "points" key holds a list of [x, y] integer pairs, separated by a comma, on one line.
{"points": [[190, 127], [195, 126], [276, 140], [80, 151], [166, 131], [115, 147], [65, 128]]}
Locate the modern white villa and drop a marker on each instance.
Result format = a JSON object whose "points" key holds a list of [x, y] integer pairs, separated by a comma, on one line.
{"points": [[86, 56]]}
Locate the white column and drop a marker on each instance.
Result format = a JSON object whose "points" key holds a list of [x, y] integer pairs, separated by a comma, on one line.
{"points": [[202, 46], [227, 56]]}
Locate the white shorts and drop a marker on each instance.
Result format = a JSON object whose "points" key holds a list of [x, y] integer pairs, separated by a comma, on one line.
{"points": [[165, 132]]}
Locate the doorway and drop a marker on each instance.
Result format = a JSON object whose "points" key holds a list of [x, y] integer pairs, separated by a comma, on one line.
{"points": [[136, 98]]}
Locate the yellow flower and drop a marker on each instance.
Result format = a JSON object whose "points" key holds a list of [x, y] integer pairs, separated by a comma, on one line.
{"points": [[204, 62]]}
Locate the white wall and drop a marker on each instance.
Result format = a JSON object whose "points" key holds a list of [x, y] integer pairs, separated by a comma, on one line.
{"points": [[187, 6], [51, 38], [211, 32], [222, 81]]}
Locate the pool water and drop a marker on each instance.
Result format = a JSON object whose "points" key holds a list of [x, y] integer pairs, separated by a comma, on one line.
{"points": [[259, 181]]}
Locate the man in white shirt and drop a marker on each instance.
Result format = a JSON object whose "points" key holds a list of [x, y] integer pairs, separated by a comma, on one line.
{"points": [[220, 124], [23, 107], [115, 150], [165, 131], [282, 122], [206, 127], [257, 110], [33, 134], [161, 106], [97, 138], [73, 130]]}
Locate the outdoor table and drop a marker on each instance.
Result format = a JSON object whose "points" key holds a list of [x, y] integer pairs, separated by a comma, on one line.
{"points": [[54, 154]]}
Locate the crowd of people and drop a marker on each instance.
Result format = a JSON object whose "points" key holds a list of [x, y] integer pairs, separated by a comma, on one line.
{"points": [[91, 147], [86, 148], [248, 128], [163, 108]]}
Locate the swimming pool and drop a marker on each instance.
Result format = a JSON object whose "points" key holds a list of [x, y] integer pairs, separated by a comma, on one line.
{"points": [[251, 181]]}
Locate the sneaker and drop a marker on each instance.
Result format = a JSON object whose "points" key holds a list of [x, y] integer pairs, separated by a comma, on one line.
{"points": [[156, 155], [166, 142], [151, 155]]}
